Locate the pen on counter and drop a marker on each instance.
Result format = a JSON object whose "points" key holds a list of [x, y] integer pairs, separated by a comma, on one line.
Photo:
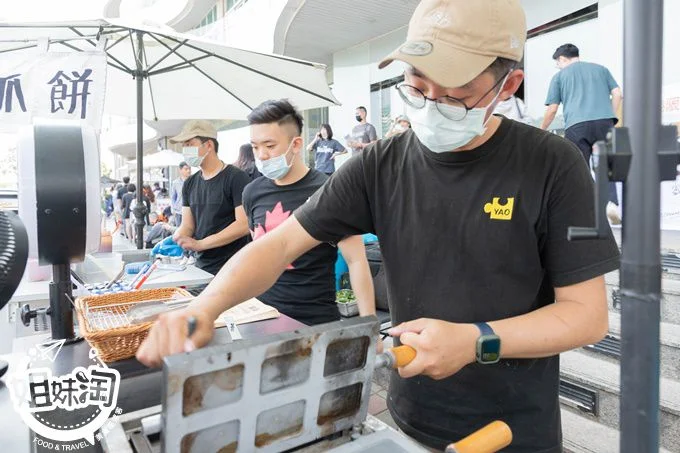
{"points": [[146, 275], [139, 275]]}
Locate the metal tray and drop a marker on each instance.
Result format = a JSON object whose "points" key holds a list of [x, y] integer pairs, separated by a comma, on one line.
{"points": [[348, 309]]}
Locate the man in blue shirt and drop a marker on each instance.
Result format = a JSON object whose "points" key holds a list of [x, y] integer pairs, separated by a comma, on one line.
{"points": [[590, 96]]}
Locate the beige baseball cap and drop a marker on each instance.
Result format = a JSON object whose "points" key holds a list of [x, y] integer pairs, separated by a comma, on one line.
{"points": [[453, 41], [195, 128]]}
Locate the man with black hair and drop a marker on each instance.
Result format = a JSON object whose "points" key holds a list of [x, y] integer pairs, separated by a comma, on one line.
{"points": [[363, 134], [213, 221], [123, 189], [590, 98], [125, 201], [306, 290], [472, 211]]}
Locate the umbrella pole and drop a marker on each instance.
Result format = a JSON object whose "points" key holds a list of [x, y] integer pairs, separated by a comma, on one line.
{"points": [[641, 258], [140, 209]]}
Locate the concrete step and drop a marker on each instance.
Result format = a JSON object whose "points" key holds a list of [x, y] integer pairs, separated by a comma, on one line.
{"points": [[670, 296], [669, 345], [581, 434], [603, 379]]}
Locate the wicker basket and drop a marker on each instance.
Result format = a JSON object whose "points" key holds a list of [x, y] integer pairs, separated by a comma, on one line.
{"points": [[119, 342]]}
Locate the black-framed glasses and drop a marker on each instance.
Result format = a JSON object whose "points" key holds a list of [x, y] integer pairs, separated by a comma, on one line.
{"points": [[416, 98]]}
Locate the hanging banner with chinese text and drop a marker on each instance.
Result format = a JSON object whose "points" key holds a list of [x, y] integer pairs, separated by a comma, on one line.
{"points": [[52, 85]]}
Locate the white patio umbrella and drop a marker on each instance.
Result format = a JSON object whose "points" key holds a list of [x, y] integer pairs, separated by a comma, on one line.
{"points": [[176, 76], [163, 158]]}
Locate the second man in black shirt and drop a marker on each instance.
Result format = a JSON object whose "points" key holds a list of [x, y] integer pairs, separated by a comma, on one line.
{"points": [[213, 221]]}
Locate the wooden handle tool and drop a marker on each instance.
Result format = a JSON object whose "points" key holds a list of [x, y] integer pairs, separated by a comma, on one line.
{"points": [[396, 357], [490, 439]]}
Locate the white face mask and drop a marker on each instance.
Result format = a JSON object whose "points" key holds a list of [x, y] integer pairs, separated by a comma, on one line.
{"points": [[440, 134], [191, 156], [274, 167]]}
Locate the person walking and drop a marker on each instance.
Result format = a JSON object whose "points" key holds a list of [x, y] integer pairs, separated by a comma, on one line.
{"points": [[590, 98]]}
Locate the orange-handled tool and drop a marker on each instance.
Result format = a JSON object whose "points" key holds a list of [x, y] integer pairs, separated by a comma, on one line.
{"points": [[490, 439], [395, 357]]}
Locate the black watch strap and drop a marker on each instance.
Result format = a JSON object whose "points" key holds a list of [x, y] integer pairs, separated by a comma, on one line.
{"points": [[484, 328]]}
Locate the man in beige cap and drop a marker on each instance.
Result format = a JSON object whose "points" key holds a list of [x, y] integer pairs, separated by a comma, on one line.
{"points": [[472, 212], [214, 223]]}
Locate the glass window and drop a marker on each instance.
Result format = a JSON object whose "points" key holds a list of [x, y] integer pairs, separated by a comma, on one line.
{"points": [[230, 4], [386, 105], [210, 17]]}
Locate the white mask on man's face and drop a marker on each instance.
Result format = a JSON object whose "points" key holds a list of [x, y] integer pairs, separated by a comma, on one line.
{"points": [[440, 134], [275, 167], [191, 156]]}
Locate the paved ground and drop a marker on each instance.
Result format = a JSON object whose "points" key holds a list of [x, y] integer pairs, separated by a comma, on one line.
{"points": [[377, 406]]}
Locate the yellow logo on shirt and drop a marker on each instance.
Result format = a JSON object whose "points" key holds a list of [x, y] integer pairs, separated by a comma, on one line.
{"points": [[499, 211]]}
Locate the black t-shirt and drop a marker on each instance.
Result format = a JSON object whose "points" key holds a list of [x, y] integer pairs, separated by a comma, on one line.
{"points": [[126, 199], [306, 290], [121, 192], [212, 204], [471, 236]]}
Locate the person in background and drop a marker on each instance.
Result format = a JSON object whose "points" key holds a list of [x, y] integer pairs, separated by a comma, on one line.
{"points": [[363, 134], [325, 149], [590, 97], [176, 193], [108, 200], [157, 230], [123, 189], [306, 290], [119, 206], [401, 124], [126, 199], [513, 108], [214, 223], [246, 161], [156, 188], [149, 193]]}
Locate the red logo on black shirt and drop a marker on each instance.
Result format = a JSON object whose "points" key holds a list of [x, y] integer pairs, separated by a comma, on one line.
{"points": [[272, 220]]}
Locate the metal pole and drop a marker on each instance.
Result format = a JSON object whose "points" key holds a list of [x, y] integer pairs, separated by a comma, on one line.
{"points": [[140, 210], [61, 314], [641, 260]]}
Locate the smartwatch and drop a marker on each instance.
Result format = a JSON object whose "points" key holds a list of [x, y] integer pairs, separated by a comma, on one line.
{"points": [[488, 350]]}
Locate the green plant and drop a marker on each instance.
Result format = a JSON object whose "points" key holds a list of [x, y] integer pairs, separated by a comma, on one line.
{"points": [[345, 296]]}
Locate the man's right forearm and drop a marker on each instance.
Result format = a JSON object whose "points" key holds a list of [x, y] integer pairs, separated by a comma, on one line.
{"points": [[255, 268], [236, 281], [182, 231]]}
